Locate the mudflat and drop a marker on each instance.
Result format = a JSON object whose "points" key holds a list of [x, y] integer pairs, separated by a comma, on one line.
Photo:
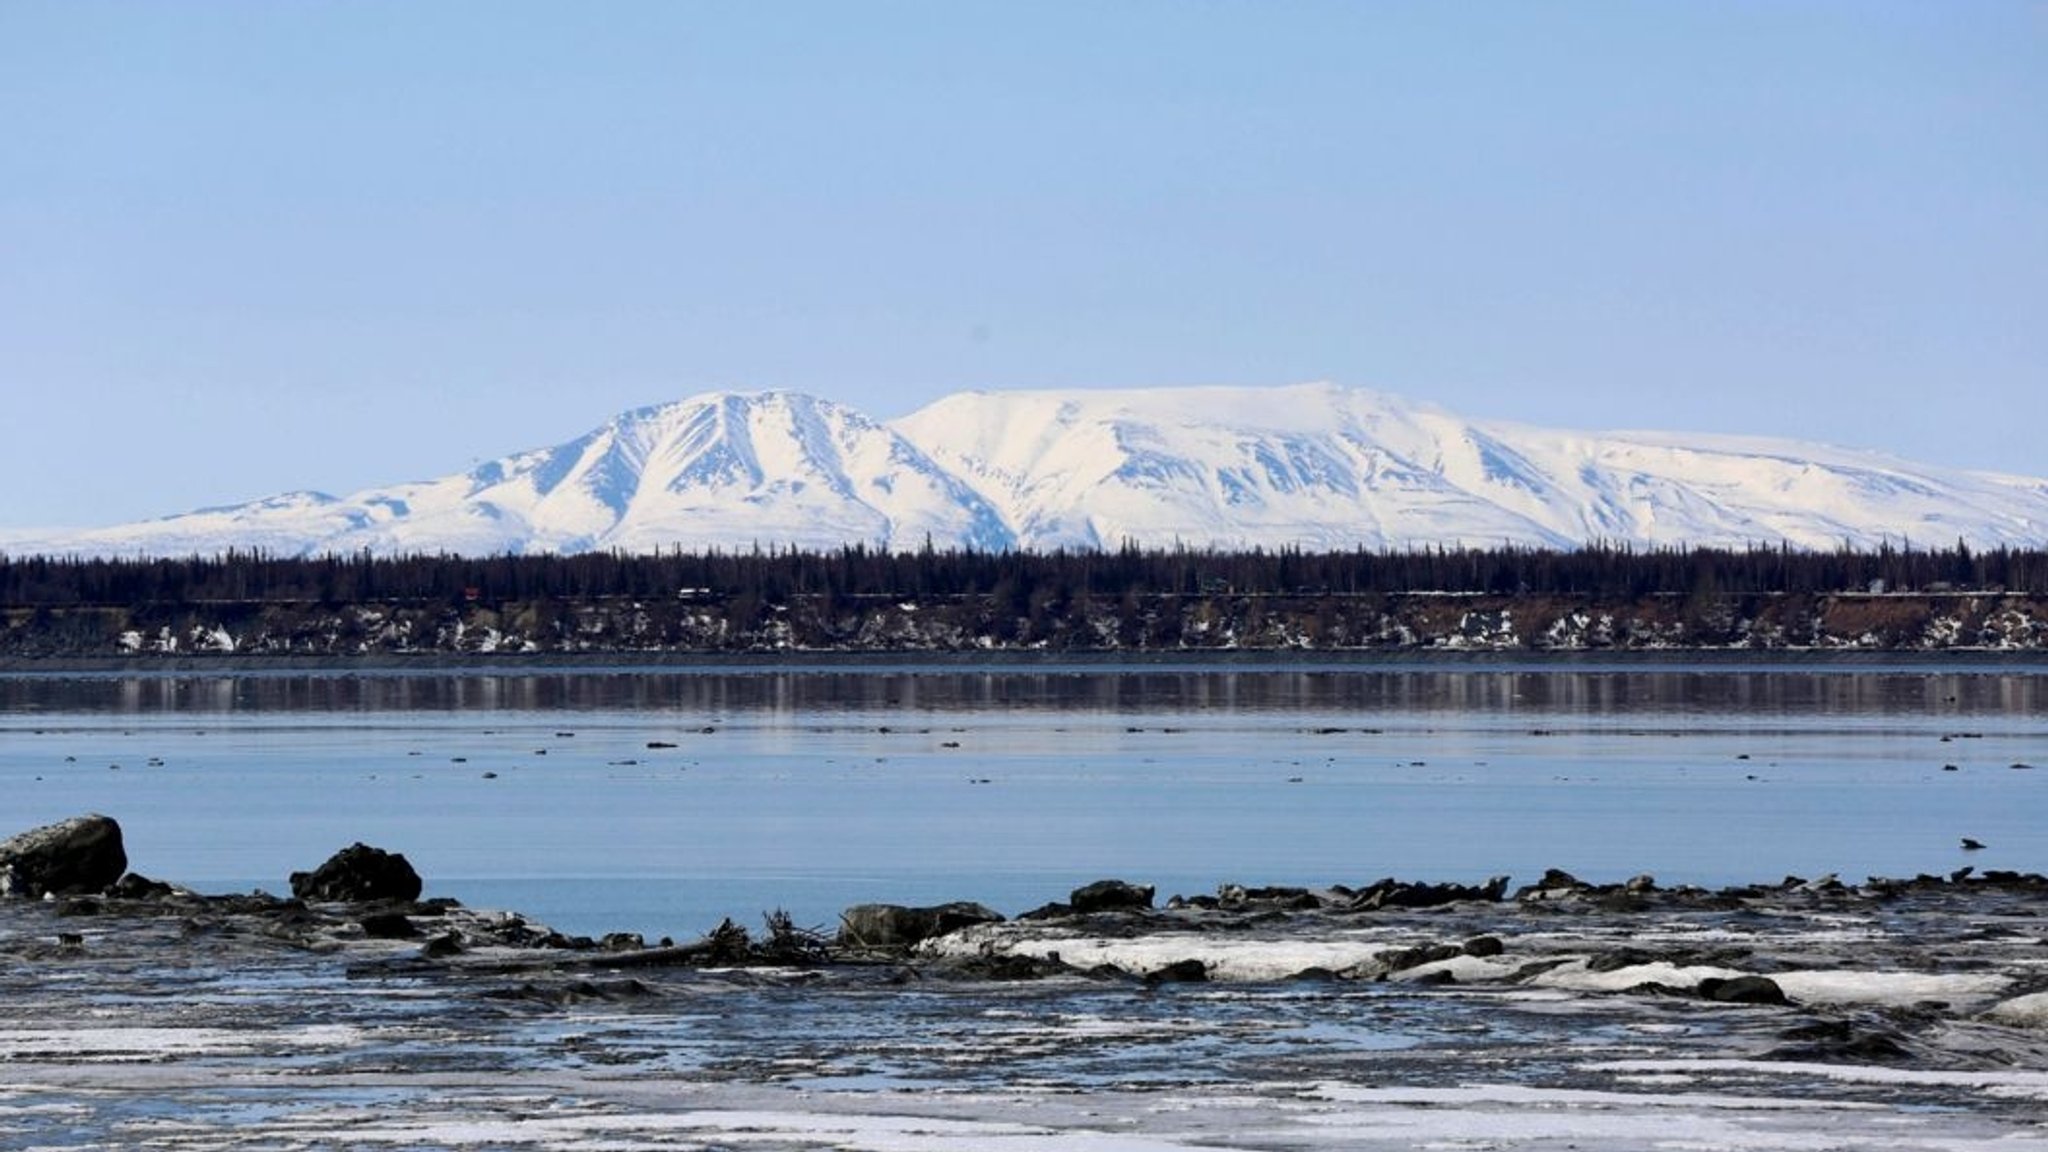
{"points": [[1804, 1012]]}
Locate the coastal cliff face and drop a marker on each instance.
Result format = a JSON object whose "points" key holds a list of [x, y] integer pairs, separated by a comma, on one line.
{"points": [[1304, 622]]}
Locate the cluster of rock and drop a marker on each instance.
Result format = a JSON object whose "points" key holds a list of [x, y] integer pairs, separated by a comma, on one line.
{"points": [[360, 893], [367, 898]]}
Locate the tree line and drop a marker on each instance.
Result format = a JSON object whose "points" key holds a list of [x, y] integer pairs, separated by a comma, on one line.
{"points": [[775, 576]]}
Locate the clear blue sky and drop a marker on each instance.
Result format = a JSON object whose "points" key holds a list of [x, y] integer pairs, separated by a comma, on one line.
{"points": [[251, 247]]}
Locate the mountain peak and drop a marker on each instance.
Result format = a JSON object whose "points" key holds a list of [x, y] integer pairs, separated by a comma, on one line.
{"points": [[1314, 465]]}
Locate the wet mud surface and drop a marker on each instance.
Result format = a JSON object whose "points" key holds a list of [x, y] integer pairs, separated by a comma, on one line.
{"points": [[1910, 1014]]}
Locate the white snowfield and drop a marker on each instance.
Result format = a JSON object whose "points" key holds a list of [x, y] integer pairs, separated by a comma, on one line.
{"points": [[1316, 466]]}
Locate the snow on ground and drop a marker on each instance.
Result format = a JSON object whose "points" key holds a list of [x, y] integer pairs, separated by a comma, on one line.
{"points": [[2028, 1011], [130, 1044], [1323, 1115], [2025, 1084], [1253, 959]]}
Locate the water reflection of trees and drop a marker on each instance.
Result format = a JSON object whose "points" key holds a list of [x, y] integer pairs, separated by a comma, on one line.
{"points": [[1363, 691]]}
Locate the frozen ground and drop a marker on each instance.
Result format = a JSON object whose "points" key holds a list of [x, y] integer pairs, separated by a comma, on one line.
{"points": [[1914, 1021]]}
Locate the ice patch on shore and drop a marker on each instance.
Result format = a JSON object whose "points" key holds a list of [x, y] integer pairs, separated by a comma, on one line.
{"points": [[143, 1045], [1517, 1095], [844, 1133], [1322, 1115], [1361, 952], [2030, 1011], [2004, 1083], [1897, 989], [1226, 960], [1576, 976]]}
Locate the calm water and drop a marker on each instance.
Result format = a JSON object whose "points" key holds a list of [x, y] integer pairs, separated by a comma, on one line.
{"points": [[813, 789]]}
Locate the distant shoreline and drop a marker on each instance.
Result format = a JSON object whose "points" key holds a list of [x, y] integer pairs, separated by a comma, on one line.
{"points": [[1195, 660]]}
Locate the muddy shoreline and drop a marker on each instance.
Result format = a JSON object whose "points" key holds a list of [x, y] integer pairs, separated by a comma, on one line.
{"points": [[1911, 1013], [1886, 970]]}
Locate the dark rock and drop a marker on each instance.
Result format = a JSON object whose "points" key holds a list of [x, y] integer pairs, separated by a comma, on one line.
{"points": [[1406, 958], [894, 926], [359, 874], [1835, 1041], [79, 855], [1110, 896], [389, 926], [1054, 911], [1555, 882], [1315, 976], [1293, 899], [1742, 990], [1819, 1031], [1659, 988], [1179, 972], [1484, 946], [134, 886], [1392, 893], [622, 942], [443, 946], [574, 992], [1619, 958], [1008, 967], [1535, 968]]}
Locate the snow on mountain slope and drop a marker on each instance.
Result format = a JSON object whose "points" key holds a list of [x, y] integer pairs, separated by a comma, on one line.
{"points": [[1314, 466], [1327, 467], [720, 469], [1317, 466]]}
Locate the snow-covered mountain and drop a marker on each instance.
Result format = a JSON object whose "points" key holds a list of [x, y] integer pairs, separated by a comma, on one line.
{"points": [[1330, 467], [1318, 466], [730, 470]]}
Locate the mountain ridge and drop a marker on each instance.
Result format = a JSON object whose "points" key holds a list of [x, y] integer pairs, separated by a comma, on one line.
{"points": [[1316, 466]]}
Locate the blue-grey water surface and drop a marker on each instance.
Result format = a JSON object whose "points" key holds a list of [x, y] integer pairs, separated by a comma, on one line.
{"points": [[810, 789]]}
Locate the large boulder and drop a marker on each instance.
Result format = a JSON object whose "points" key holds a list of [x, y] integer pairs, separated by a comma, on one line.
{"points": [[82, 854], [896, 926], [1110, 896], [358, 874], [1742, 990]]}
